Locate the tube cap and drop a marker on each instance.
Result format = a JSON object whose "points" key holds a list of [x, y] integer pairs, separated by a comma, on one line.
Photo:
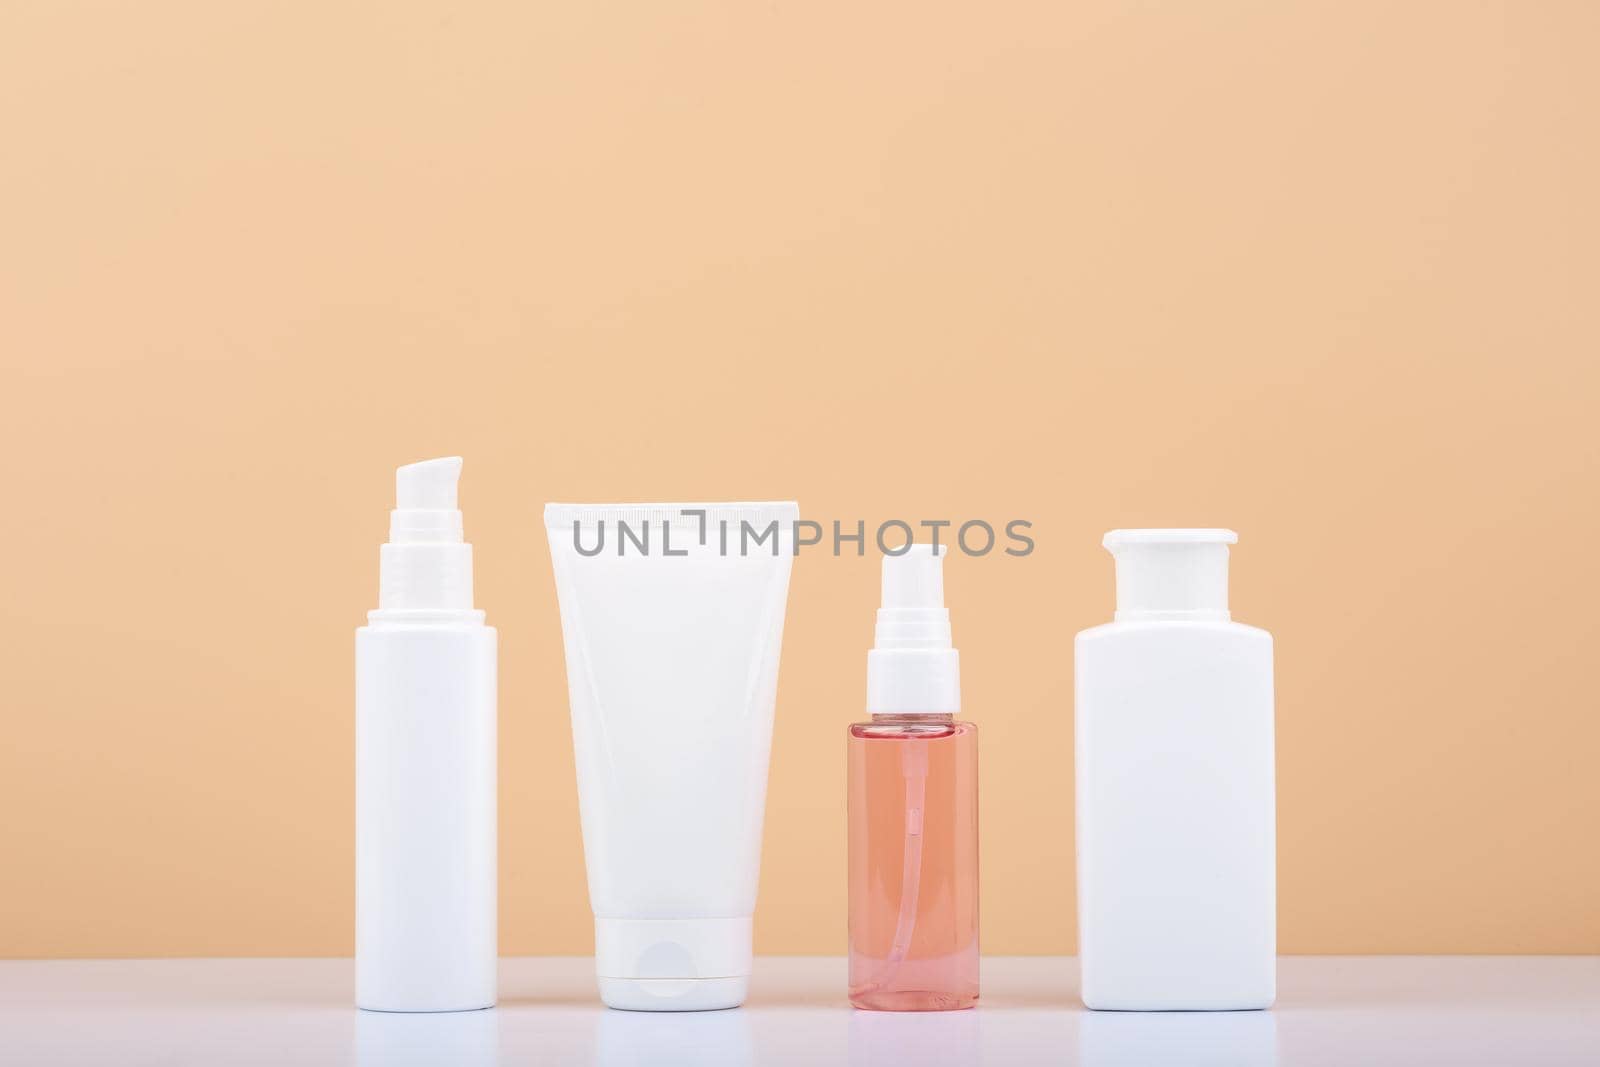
{"points": [[673, 964]]}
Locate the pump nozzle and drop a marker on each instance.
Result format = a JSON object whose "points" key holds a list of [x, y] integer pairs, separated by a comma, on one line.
{"points": [[426, 564], [429, 485], [912, 666], [914, 579], [425, 502], [913, 614]]}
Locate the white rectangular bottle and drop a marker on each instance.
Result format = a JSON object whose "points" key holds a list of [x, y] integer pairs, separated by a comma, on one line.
{"points": [[425, 765], [1177, 904]]}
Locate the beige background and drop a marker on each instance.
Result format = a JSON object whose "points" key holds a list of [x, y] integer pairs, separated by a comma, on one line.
{"points": [[1325, 273]]}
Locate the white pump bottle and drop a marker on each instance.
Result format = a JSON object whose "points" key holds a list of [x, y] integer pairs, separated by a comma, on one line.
{"points": [[425, 765], [1176, 847]]}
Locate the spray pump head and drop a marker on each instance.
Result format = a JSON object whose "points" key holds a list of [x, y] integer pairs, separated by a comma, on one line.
{"points": [[913, 667]]}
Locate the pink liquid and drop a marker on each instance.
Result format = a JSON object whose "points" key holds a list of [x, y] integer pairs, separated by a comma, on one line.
{"points": [[913, 863]]}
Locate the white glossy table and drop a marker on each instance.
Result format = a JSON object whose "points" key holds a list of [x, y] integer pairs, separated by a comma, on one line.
{"points": [[1511, 1011]]}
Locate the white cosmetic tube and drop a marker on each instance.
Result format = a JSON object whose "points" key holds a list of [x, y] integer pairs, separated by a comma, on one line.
{"points": [[672, 616]]}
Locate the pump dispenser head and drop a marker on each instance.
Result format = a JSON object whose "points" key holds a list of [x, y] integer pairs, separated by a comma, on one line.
{"points": [[913, 667], [426, 565], [425, 502], [1171, 575]]}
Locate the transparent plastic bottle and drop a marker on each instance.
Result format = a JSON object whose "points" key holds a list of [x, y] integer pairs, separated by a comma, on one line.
{"points": [[913, 808], [913, 863]]}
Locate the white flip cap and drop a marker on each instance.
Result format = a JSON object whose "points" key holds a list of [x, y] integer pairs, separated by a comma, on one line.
{"points": [[673, 964], [913, 666], [1171, 574]]}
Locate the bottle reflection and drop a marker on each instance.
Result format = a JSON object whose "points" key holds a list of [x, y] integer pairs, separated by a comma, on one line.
{"points": [[672, 1038], [426, 1039], [926, 1039], [1178, 1038]]}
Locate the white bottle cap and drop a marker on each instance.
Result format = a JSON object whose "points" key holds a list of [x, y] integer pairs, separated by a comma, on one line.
{"points": [[912, 666], [426, 565], [1171, 574]]}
